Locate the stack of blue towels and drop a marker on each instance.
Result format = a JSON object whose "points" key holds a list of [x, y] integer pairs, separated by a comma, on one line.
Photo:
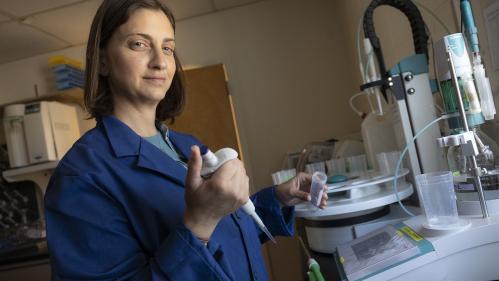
{"points": [[67, 76]]}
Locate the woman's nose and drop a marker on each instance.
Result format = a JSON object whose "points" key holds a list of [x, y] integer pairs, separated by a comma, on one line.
{"points": [[158, 59]]}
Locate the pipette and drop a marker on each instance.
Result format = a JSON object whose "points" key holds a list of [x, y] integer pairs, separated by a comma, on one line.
{"points": [[213, 161], [314, 270]]}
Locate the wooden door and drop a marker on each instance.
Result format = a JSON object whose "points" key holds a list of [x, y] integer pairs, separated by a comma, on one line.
{"points": [[209, 112]]}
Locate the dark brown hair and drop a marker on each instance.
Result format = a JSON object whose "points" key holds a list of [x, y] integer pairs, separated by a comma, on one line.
{"points": [[111, 15]]}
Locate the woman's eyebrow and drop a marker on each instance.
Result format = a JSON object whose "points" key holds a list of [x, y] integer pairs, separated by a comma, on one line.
{"points": [[149, 37]]}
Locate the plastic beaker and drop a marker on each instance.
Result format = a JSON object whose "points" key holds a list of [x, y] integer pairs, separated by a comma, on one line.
{"points": [[387, 162], [357, 165], [436, 191], [315, 167], [336, 167]]}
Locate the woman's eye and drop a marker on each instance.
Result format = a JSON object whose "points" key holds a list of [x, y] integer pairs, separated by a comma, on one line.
{"points": [[137, 45], [168, 51]]}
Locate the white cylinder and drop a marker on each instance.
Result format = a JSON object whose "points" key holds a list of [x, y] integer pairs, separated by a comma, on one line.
{"points": [[14, 134], [462, 64]]}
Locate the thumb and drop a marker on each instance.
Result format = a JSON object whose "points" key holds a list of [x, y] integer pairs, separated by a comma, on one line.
{"points": [[194, 166]]}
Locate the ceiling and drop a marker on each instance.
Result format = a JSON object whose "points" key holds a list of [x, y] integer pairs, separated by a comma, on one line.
{"points": [[32, 27]]}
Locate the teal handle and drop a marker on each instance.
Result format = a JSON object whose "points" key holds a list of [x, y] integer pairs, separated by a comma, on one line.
{"points": [[315, 273]]}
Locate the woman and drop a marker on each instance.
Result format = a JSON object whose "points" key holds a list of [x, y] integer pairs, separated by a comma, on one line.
{"points": [[127, 202]]}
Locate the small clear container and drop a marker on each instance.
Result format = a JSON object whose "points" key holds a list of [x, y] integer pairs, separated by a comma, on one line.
{"points": [[317, 188], [315, 167], [387, 162], [357, 165], [436, 191], [336, 167]]}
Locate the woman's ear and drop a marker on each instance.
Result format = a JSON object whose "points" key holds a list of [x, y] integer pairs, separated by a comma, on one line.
{"points": [[103, 68]]}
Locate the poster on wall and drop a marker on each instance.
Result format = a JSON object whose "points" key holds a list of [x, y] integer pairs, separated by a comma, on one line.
{"points": [[491, 16]]}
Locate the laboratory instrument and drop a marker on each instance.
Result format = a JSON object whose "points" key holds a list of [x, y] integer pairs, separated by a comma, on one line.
{"points": [[354, 207], [51, 128], [314, 270], [213, 161], [439, 245], [13, 116]]}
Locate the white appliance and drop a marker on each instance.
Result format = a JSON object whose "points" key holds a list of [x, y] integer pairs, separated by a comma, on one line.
{"points": [[51, 128], [467, 253], [13, 116]]}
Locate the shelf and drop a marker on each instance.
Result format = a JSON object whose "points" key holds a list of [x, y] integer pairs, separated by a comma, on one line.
{"points": [[39, 173], [73, 95]]}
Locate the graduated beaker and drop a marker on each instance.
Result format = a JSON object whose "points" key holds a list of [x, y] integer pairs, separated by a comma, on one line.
{"points": [[436, 191]]}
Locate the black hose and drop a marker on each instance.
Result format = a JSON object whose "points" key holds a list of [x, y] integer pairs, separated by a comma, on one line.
{"points": [[419, 35]]}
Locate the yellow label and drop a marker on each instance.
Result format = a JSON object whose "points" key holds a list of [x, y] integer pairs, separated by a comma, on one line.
{"points": [[411, 233], [399, 233], [342, 260]]}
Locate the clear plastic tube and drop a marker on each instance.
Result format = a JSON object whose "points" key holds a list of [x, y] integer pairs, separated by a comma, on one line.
{"points": [[484, 90]]}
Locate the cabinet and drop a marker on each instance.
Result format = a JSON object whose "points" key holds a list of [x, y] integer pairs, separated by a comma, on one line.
{"points": [[38, 270]]}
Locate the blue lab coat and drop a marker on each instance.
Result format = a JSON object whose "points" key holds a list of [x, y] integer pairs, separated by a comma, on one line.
{"points": [[114, 209]]}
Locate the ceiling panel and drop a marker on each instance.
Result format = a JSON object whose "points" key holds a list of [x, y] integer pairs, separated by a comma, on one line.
{"points": [[24, 41], [71, 23], [189, 8], [226, 4], [22, 8]]}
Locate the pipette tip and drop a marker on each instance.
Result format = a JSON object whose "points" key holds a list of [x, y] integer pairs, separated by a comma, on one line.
{"points": [[266, 231]]}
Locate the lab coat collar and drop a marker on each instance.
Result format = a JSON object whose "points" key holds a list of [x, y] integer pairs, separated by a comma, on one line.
{"points": [[125, 142]]}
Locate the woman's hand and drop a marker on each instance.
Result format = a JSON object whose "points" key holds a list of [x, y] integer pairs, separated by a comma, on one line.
{"points": [[209, 200], [297, 190]]}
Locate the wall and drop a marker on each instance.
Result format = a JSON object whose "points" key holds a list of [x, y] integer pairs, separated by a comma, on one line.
{"points": [[19, 79], [287, 72]]}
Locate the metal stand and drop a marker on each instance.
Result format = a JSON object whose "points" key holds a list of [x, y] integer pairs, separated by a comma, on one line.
{"points": [[475, 170]]}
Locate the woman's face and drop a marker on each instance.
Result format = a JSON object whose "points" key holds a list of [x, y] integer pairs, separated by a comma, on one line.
{"points": [[138, 59]]}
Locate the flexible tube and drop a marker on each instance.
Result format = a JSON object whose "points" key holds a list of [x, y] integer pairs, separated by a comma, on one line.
{"points": [[397, 168], [350, 102]]}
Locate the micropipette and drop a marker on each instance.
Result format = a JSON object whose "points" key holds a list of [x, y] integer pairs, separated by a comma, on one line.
{"points": [[213, 161], [314, 272]]}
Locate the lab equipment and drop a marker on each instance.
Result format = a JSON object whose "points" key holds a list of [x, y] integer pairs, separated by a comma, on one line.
{"points": [[315, 167], [314, 270], [51, 128], [464, 73], [387, 162], [283, 176], [213, 161], [317, 188], [378, 134], [357, 165], [354, 208], [454, 241], [381, 249], [336, 167], [481, 80], [13, 116], [436, 192]]}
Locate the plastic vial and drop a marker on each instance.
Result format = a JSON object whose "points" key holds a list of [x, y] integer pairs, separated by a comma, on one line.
{"points": [[318, 181]]}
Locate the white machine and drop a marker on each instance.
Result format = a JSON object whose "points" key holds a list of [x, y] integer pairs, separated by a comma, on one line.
{"points": [[13, 116], [414, 248], [44, 132]]}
